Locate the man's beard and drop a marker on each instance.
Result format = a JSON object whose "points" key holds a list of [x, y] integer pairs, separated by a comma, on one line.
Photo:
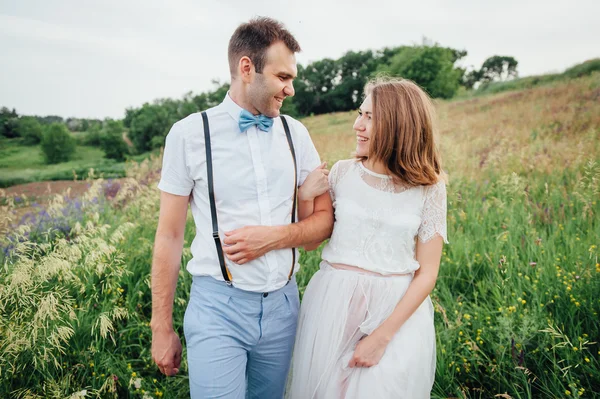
{"points": [[260, 97]]}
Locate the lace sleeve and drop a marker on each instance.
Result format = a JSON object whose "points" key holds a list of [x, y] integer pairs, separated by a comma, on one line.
{"points": [[337, 172], [333, 181], [433, 220]]}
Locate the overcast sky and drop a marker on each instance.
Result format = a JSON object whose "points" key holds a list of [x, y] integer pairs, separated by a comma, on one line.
{"points": [[96, 58]]}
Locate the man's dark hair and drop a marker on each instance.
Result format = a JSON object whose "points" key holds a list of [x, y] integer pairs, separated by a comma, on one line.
{"points": [[253, 38]]}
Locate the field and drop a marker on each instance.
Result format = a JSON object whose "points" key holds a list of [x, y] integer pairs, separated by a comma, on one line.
{"points": [[516, 301]]}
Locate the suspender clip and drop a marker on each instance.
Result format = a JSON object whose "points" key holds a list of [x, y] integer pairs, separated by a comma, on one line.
{"points": [[216, 235]]}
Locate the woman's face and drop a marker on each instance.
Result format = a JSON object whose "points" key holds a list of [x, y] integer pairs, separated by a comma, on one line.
{"points": [[362, 127]]}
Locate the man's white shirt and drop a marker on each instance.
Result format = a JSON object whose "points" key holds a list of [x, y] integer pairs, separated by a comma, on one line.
{"points": [[253, 174]]}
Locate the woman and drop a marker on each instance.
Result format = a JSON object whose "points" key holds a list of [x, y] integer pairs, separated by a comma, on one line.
{"points": [[366, 323]]}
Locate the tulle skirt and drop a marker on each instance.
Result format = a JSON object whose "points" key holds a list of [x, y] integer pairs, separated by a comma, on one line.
{"points": [[338, 309]]}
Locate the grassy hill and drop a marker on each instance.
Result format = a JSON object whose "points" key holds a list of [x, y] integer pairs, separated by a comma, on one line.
{"points": [[534, 130]]}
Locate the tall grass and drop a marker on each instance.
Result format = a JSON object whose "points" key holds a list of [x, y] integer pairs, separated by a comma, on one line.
{"points": [[516, 301]]}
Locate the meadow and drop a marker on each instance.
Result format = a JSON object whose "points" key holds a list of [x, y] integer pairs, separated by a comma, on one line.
{"points": [[20, 163], [516, 301]]}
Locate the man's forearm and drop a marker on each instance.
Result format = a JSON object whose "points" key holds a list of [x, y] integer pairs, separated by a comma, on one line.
{"points": [[165, 271], [315, 228]]}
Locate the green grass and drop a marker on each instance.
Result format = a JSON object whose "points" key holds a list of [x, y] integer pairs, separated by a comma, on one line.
{"points": [[24, 164]]}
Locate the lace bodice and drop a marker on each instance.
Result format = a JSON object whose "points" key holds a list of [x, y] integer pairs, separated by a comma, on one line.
{"points": [[377, 222]]}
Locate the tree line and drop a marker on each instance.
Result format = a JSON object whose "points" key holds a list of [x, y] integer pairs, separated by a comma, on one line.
{"points": [[330, 85], [324, 86]]}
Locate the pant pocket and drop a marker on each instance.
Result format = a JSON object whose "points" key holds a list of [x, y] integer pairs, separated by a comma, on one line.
{"points": [[292, 300]]}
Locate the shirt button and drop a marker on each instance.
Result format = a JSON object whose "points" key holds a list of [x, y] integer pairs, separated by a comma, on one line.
{"points": [[266, 294]]}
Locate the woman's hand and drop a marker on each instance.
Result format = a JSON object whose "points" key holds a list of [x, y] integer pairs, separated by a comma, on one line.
{"points": [[369, 351], [316, 183]]}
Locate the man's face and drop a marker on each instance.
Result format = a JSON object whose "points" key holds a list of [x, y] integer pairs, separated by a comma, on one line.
{"points": [[274, 84]]}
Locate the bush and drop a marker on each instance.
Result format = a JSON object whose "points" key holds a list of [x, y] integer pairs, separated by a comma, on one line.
{"points": [[583, 69], [112, 142], [114, 146], [58, 145], [93, 137], [30, 130]]}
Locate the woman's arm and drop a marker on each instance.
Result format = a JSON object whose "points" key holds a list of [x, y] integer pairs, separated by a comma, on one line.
{"points": [[370, 349], [315, 185], [306, 207]]}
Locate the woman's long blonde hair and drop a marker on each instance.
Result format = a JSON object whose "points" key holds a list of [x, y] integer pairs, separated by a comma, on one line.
{"points": [[403, 131]]}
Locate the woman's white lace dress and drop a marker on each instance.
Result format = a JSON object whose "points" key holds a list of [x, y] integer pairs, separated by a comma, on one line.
{"points": [[376, 227]]}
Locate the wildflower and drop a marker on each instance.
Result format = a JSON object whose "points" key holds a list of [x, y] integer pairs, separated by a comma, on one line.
{"points": [[134, 374], [137, 383], [567, 392], [587, 359]]}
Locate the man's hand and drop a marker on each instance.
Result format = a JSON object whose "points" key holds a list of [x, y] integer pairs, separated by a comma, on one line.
{"points": [[250, 242], [166, 350]]}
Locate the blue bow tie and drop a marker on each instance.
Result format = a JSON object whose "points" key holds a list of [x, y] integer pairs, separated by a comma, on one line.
{"points": [[247, 120]]}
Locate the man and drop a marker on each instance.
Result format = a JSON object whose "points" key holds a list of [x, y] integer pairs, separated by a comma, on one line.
{"points": [[241, 320]]}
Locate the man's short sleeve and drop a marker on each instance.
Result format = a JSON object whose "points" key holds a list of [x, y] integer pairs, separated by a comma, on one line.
{"points": [[308, 156], [175, 177]]}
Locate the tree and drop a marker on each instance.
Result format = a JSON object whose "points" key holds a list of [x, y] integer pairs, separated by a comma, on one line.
{"points": [[30, 130], [58, 145], [149, 122], [9, 123], [431, 67], [499, 68], [313, 84], [112, 142], [495, 69]]}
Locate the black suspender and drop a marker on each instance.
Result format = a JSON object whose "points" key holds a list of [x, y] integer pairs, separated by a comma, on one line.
{"points": [[211, 195], [291, 145]]}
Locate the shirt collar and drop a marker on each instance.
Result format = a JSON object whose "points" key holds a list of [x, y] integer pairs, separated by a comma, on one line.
{"points": [[231, 107]]}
